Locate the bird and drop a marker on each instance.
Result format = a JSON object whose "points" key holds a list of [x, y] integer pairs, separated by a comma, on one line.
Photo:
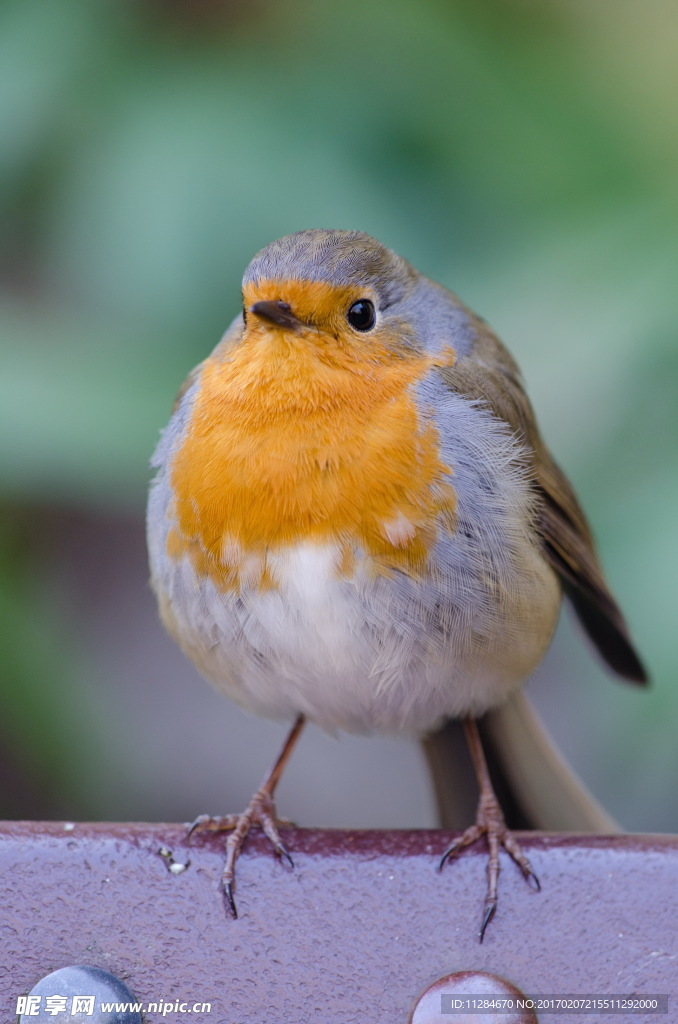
{"points": [[354, 520]]}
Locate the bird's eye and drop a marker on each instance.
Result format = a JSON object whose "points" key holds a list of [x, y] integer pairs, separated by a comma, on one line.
{"points": [[361, 315]]}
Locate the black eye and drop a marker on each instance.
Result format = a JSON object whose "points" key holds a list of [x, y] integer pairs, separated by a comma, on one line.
{"points": [[361, 315]]}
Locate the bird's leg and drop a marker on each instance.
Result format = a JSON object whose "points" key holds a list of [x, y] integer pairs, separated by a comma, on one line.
{"points": [[260, 811], [489, 822]]}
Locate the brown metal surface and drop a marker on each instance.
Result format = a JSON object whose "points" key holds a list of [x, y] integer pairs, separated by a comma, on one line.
{"points": [[353, 935]]}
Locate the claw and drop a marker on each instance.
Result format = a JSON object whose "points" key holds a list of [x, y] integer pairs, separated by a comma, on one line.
{"points": [[470, 836], [230, 901], [284, 854], [199, 823], [206, 823], [448, 855], [532, 880], [489, 914]]}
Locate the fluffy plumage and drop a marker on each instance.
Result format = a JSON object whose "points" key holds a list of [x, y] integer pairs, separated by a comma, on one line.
{"points": [[365, 527]]}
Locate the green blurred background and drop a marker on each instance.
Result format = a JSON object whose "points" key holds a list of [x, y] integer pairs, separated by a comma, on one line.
{"points": [[523, 152]]}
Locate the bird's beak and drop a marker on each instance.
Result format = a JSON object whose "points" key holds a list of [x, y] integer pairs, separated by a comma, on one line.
{"points": [[278, 313]]}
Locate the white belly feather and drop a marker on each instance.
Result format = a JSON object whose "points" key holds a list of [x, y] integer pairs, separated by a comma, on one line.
{"points": [[374, 651]]}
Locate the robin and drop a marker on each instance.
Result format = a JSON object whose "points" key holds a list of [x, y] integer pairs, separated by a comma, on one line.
{"points": [[356, 522]]}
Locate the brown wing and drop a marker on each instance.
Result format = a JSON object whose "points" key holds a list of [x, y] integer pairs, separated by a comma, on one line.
{"points": [[490, 374]]}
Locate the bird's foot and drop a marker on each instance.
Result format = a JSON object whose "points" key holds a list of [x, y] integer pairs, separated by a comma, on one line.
{"points": [[260, 811], [490, 822]]}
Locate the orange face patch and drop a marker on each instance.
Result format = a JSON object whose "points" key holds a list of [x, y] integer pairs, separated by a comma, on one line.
{"points": [[308, 435]]}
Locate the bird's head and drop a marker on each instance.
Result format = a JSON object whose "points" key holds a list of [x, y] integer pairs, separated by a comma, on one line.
{"points": [[341, 291]]}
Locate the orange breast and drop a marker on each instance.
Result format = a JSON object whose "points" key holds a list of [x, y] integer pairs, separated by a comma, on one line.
{"points": [[298, 438]]}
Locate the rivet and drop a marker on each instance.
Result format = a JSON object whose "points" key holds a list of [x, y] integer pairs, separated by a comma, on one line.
{"points": [[76, 994], [458, 999]]}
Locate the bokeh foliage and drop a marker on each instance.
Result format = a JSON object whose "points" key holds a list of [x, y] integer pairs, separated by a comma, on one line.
{"points": [[523, 152]]}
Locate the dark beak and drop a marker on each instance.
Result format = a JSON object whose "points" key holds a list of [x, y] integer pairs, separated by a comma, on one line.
{"points": [[278, 313]]}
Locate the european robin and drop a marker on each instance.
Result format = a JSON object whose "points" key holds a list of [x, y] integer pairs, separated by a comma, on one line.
{"points": [[355, 520]]}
